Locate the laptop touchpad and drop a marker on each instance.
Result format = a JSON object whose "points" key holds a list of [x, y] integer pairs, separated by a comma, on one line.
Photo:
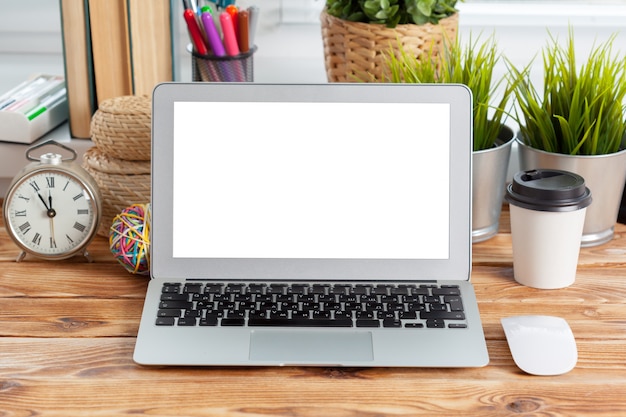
{"points": [[310, 347]]}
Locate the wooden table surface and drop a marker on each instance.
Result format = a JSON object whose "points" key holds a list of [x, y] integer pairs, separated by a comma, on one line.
{"points": [[67, 333]]}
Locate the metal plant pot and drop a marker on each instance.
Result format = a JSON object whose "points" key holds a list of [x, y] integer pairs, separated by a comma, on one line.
{"points": [[605, 176], [489, 180]]}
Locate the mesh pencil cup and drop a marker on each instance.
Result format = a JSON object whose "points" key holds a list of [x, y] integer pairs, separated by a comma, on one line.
{"points": [[212, 68]]}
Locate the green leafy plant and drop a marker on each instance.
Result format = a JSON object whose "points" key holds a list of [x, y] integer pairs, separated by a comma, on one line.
{"points": [[392, 12], [472, 65], [581, 111]]}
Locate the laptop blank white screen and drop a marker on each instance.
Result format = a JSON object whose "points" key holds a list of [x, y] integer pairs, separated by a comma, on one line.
{"points": [[309, 180]]}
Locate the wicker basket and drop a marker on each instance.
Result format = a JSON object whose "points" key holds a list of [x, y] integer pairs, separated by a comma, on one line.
{"points": [[122, 184], [356, 51], [121, 127]]}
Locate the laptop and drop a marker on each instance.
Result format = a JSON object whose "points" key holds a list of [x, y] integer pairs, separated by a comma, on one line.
{"points": [[311, 225]]}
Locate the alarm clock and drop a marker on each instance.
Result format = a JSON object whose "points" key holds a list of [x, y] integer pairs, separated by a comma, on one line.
{"points": [[53, 207]]}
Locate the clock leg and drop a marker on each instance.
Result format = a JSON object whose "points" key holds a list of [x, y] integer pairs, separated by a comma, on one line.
{"points": [[87, 256], [20, 257]]}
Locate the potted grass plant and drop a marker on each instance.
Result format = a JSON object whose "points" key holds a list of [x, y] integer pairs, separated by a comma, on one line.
{"points": [[577, 123], [357, 34], [472, 64]]}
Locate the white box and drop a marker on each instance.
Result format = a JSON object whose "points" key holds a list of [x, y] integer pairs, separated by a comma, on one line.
{"points": [[33, 108]]}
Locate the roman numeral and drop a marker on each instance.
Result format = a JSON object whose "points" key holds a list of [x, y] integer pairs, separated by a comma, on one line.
{"points": [[53, 243], [20, 213], [37, 239], [23, 198], [50, 182], [25, 227], [69, 239], [82, 211], [77, 197], [35, 186], [66, 184], [79, 227]]}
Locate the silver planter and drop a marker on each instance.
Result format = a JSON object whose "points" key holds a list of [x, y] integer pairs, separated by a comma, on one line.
{"points": [[489, 180], [605, 176]]}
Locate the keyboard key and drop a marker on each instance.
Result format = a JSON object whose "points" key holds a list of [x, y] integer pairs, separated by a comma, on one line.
{"points": [[367, 323], [169, 313], [319, 289], [457, 326], [168, 296], [233, 322], [297, 322], [165, 321], [175, 304], [437, 307], [256, 288], [435, 324], [234, 288], [187, 321], [192, 288], [213, 288], [392, 323], [456, 304], [442, 315], [170, 288], [208, 321], [446, 291]]}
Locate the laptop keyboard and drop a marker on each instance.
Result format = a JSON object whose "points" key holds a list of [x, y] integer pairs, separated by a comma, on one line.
{"points": [[311, 305]]}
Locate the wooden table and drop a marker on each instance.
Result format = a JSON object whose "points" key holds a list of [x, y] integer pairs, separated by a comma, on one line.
{"points": [[67, 333]]}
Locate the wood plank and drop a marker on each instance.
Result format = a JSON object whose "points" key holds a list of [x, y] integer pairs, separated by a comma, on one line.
{"points": [[70, 317], [81, 279]]}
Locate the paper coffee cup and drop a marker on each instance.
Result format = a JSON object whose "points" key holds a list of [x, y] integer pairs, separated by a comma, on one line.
{"points": [[547, 210]]}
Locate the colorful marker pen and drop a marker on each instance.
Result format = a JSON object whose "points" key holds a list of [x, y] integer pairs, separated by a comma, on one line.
{"points": [[230, 40], [254, 21], [233, 11], [211, 30], [194, 32], [47, 103], [243, 36]]}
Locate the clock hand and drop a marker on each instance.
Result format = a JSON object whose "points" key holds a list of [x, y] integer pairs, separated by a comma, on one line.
{"points": [[43, 201], [51, 212], [53, 242]]}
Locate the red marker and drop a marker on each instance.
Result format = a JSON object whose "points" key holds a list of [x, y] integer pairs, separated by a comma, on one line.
{"points": [[194, 32]]}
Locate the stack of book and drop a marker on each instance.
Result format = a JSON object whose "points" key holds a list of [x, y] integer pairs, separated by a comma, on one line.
{"points": [[113, 48]]}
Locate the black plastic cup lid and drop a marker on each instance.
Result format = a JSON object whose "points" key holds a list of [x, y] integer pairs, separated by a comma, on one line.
{"points": [[548, 190]]}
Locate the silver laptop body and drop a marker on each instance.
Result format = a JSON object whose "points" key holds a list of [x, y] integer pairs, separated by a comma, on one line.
{"points": [[274, 188]]}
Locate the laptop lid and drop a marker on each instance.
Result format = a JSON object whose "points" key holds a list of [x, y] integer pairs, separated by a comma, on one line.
{"points": [[317, 182]]}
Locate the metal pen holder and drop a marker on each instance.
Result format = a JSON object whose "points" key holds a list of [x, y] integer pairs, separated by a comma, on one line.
{"points": [[212, 68]]}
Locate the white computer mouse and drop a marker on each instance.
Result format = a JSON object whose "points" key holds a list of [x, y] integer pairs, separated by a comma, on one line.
{"points": [[541, 345]]}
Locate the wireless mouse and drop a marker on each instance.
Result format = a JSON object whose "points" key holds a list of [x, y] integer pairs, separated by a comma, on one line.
{"points": [[541, 345]]}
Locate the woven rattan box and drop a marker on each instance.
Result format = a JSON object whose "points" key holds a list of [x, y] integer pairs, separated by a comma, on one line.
{"points": [[120, 159]]}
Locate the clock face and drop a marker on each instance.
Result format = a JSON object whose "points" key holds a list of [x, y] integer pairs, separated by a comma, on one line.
{"points": [[51, 213]]}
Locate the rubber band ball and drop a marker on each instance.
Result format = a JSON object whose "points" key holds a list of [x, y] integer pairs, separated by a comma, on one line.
{"points": [[129, 238]]}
